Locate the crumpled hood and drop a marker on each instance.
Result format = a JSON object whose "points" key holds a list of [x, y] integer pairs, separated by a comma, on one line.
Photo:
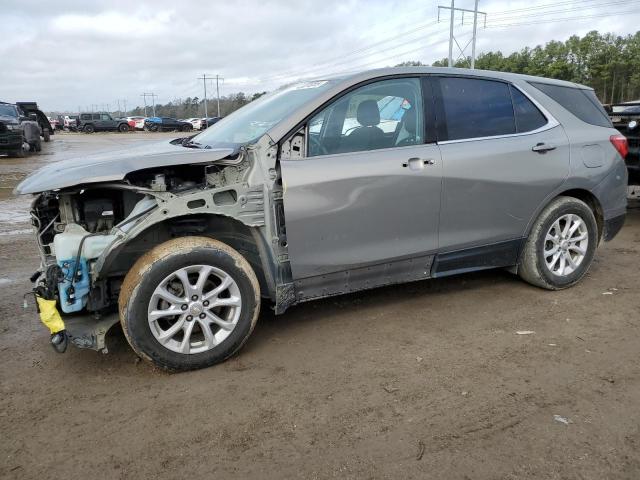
{"points": [[115, 165]]}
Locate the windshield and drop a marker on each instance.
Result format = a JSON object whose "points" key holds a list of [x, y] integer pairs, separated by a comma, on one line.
{"points": [[254, 119], [8, 111]]}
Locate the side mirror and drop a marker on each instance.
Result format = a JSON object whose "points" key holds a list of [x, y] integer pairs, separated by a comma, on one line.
{"points": [[632, 125]]}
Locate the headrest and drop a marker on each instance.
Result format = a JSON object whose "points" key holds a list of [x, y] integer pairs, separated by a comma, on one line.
{"points": [[368, 114], [409, 120]]}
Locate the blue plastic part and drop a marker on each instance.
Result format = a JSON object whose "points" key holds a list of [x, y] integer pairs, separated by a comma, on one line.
{"points": [[73, 302]]}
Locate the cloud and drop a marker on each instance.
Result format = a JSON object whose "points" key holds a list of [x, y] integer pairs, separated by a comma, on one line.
{"points": [[69, 55]]}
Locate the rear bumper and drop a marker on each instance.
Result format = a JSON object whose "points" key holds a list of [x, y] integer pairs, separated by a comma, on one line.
{"points": [[612, 226]]}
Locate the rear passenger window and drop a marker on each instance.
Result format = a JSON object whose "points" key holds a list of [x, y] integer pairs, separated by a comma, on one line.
{"points": [[476, 108], [528, 117], [582, 103]]}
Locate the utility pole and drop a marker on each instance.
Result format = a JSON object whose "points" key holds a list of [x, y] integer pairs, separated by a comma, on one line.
{"points": [[204, 83], [153, 100], [144, 97], [125, 107], [119, 111], [218, 78], [452, 38]]}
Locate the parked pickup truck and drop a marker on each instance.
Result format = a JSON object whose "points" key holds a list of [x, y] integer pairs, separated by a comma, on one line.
{"points": [[19, 132], [101, 122]]}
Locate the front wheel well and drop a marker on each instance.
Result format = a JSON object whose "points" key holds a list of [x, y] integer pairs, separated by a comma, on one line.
{"points": [[224, 229]]}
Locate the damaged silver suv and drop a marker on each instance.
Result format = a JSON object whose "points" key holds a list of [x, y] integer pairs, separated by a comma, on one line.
{"points": [[323, 188]]}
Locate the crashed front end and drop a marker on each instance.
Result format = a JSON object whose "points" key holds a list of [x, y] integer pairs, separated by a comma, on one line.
{"points": [[90, 234]]}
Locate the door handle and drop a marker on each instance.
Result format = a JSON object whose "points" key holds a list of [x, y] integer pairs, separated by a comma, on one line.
{"points": [[416, 163], [543, 147]]}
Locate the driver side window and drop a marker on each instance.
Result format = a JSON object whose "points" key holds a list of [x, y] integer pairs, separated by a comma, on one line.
{"points": [[383, 114]]}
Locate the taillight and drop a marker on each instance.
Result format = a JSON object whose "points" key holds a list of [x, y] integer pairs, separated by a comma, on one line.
{"points": [[620, 144]]}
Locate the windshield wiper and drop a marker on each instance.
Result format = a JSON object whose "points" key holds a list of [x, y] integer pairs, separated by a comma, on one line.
{"points": [[193, 145]]}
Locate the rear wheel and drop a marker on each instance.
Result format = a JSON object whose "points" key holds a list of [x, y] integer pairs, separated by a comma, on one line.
{"points": [[189, 303], [89, 128], [123, 127], [187, 128], [561, 245], [46, 135]]}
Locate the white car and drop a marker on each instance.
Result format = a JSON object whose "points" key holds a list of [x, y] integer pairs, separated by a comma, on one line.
{"points": [[136, 122], [196, 122]]}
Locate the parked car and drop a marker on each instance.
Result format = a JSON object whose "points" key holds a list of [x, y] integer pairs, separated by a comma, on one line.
{"points": [[19, 131], [101, 122], [54, 123], [67, 122], [280, 201], [165, 124], [207, 122], [135, 123], [195, 122], [626, 118]]}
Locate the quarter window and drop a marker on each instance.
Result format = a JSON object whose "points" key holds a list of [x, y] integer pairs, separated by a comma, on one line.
{"points": [[383, 114], [476, 108], [528, 117], [582, 103]]}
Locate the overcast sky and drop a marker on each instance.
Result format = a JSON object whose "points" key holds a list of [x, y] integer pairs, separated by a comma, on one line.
{"points": [[71, 54]]}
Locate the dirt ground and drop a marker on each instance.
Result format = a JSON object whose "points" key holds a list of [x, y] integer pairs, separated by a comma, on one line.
{"points": [[426, 380]]}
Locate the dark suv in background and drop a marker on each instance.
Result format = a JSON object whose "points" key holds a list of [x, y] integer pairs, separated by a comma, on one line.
{"points": [[101, 122], [626, 119], [18, 130]]}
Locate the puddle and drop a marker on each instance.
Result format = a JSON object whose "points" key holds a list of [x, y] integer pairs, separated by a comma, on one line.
{"points": [[23, 231], [14, 211]]}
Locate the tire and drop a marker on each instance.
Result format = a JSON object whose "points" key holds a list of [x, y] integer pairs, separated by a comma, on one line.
{"points": [[187, 128], [123, 127], [156, 272], [89, 128], [37, 146], [154, 128], [46, 135], [20, 153], [539, 251]]}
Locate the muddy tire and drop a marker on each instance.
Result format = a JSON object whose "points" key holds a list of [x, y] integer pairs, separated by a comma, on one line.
{"points": [[37, 146], [46, 135], [189, 303], [561, 245]]}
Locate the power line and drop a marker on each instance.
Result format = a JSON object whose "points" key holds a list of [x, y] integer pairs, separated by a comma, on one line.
{"points": [[565, 19], [566, 10]]}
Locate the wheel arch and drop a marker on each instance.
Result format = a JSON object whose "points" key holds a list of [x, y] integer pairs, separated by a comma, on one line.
{"points": [[581, 194], [248, 241]]}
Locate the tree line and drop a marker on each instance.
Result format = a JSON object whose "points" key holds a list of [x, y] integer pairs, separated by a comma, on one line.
{"points": [[193, 107], [608, 63]]}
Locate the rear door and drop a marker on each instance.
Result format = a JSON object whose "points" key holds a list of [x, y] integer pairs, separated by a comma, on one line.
{"points": [[502, 154], [368, 191]]}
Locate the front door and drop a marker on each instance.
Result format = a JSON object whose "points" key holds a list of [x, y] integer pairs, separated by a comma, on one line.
{"points": [[368, 192]]}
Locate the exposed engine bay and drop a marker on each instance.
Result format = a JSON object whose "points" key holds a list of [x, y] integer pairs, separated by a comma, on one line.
{"points": [[90, 235]]}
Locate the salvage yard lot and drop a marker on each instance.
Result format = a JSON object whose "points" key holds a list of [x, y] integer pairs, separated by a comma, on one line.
{"points": [[425, 380]]}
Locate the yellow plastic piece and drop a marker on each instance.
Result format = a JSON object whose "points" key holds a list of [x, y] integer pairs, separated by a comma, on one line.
{"points": [[49, 315]]}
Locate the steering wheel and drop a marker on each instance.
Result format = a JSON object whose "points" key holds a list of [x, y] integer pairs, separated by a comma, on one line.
{"points": [[314, 142]]}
